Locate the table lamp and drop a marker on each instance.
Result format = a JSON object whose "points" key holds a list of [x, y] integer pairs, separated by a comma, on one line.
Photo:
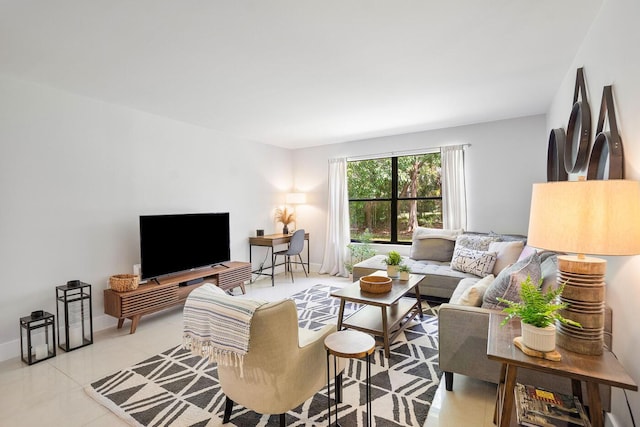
{"points": [[595, 217], [295, 199]]}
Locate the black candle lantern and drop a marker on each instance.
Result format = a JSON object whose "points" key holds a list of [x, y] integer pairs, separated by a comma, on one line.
{"points": [[37, 337], [74, 308]]}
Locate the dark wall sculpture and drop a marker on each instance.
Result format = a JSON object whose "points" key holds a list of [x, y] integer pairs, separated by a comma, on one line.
{"points": [[570, 153], [607, 143], [576, 148]]}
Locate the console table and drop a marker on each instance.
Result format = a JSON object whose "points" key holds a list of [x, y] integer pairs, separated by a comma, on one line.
{"points": [[167, 291], [271, 241], [593, 370]]}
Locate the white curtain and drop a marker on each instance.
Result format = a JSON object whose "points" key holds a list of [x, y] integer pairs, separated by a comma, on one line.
{"points": [[337, 236], [454, 198]]}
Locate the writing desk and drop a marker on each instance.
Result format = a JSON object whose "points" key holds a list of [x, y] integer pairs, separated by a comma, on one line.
{"points": [[271, 241]]}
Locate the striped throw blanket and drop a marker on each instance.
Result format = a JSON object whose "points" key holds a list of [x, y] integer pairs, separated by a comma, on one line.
{"points": [[217, 325]]}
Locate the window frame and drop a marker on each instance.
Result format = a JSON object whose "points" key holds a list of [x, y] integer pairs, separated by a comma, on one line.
{"points": [[395, 199]]}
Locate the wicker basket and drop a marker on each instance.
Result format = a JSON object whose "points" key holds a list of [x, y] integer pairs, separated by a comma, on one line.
{"points": [[123, 282], [375, 284]]}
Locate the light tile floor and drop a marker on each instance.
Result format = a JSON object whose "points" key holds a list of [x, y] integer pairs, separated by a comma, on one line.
{"points": [[51, 392]]}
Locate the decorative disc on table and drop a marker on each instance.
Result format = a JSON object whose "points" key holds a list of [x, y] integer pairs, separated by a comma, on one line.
{"points": [[548, 355]]}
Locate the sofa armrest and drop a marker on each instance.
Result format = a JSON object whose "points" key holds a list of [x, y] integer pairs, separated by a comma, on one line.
{"points": [[462, 334]]}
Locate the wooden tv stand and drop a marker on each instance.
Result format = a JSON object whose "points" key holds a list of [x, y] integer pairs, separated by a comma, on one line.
{"points": [[167, 292]]}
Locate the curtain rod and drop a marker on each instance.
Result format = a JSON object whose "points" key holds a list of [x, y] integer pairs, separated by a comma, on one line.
{"points": [[403, 153]]}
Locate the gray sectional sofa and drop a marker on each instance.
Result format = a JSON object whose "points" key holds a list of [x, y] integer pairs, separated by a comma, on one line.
{"points": [[463, 322], [431, 254]]}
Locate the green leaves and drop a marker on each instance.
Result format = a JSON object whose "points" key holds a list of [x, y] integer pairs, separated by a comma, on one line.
{"points": [[537, 308], [360, 251], [404, 268], [393, 258]]}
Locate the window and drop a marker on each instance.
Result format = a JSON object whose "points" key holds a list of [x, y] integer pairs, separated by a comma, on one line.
{"points": [[391, 196]]}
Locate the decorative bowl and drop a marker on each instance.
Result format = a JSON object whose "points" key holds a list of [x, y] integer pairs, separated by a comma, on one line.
{"points": [[375, 284]]}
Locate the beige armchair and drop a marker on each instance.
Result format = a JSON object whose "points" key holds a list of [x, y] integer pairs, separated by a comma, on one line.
{"points": [[285, 365]]}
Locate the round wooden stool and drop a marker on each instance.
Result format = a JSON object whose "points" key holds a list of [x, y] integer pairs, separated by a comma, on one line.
{"points": [[351, 345]]}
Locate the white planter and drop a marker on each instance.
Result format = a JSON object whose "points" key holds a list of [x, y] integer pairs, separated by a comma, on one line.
{"points": [[404, 275], [392, 271], [541, 339]]}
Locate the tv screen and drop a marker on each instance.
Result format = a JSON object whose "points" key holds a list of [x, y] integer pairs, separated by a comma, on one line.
{"points": [[175, 243]]}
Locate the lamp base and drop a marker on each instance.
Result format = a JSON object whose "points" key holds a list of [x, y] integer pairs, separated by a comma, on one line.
{"points": [[584, 291]]}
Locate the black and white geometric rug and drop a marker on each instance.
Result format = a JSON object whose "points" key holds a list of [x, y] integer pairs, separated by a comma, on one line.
{"points": [[175, 388]]}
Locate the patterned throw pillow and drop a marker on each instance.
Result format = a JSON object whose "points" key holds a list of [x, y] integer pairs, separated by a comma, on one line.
{"points": [[479, 263], [507, 283], [478, 243]]}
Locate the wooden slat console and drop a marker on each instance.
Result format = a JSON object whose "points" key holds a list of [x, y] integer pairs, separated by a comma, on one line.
{"points": [[151, 297]]}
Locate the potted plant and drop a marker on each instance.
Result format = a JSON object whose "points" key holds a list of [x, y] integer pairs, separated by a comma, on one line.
{"points": [[286, 218], [538, 312], [393, 260], [404, 271], [360, 250]]}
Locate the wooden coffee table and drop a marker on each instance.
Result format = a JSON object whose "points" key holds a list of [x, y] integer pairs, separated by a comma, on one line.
{"points": [[382, 315]]}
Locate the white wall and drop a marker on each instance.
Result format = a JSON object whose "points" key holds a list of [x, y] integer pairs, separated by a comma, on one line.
{"points": [[609, 55], [504, 159], [75, 174]]}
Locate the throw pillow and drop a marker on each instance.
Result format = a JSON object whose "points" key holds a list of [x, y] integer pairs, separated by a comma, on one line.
{"points": [[473, 295], [475, 242], [527, 251], [434, 249], [461, 288], [424, 232], [508, 253], [479, 263], [507, 283], [469, 291]]}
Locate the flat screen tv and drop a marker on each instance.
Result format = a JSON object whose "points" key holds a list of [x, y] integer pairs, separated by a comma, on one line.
{"points": [[175, 243]]}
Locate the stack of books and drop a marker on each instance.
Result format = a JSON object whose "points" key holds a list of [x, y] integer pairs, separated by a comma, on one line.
{"points": [[537, 407]]}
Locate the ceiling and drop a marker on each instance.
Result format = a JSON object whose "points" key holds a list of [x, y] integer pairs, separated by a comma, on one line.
{"points": [[301, 73]]}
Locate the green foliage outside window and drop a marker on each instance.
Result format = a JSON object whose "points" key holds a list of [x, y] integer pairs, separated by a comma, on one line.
{"points": [[392, 208]]}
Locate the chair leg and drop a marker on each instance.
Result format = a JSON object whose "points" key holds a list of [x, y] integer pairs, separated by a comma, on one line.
{"points": [[290, 269], [283, 422], [228, 406], [302, 264], [338, 387]]}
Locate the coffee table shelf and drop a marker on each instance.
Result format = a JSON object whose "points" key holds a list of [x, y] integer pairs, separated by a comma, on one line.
{"points": [[382, 315], [368, 318]]}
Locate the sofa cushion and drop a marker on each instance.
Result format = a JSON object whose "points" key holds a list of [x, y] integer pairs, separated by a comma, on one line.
{"points": [[432, 248], [440, 280], [508, 253], [479, 263], [507, 283], [433, 244], [470, 291]]}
